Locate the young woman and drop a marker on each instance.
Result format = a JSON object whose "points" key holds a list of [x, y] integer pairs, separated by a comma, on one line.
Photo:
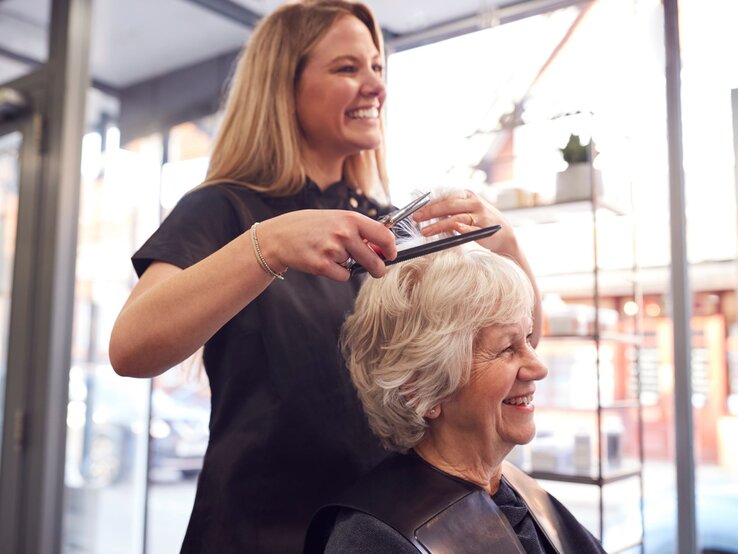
{"points": [[250, 266]]}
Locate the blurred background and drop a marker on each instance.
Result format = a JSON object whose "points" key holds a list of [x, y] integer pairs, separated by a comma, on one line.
{"points": [[556, 111]]}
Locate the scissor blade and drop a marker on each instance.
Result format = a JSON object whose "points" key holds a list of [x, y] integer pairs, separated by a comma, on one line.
{"points": [[435, 246], [414, 206]]}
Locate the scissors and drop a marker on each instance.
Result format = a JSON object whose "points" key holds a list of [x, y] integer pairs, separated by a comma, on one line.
{"points": [[435, 246], [392, 219]]}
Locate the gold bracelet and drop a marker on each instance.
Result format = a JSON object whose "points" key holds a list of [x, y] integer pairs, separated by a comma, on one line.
{"points": [[260, 258]]}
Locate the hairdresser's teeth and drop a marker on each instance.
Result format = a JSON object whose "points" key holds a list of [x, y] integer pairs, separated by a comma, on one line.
{"points": [[364, 113]]}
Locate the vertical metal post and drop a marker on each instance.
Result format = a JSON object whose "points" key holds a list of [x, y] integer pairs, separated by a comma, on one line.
{"points": [[734, 108], [51, 278], [681, 294], [15, 423]]}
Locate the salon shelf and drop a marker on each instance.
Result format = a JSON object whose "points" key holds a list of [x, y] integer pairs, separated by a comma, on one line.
{"points": [[589, 417], [620, 338], [609, 476], [617, 405], [561, 211]]}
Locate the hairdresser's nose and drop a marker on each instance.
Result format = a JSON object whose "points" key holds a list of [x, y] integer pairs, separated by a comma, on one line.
{"points": [[373, 86]]}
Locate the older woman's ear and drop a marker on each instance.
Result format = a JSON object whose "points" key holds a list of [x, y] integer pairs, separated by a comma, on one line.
{"points": [[434, 412]]}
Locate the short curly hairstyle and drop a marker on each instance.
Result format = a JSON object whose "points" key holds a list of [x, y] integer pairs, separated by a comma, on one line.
{"points": [[409, 342]]}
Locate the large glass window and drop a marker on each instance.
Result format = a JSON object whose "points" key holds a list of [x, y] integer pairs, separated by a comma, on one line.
{"points": [[10, 145], [135, 446], [710, 127], [126, 191], [107, 417], [504, 103]]}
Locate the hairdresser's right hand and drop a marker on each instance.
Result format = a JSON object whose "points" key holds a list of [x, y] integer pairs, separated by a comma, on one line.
{"points": [[318, 241]]}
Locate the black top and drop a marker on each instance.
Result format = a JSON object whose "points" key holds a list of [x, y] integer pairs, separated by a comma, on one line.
{"points": [[286, 429]]}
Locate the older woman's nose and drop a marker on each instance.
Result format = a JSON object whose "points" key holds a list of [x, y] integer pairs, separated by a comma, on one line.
{"points": [[533, 369]]}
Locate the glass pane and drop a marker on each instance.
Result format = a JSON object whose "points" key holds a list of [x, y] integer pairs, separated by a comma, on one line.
{"points": [[9, 175], [107, 418], [133, 441], [710, 138], [24, 37], [512, 97]]}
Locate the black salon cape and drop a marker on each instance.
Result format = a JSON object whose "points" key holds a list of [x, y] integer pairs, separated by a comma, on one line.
{"points": [[286, 429], [358, 532]]}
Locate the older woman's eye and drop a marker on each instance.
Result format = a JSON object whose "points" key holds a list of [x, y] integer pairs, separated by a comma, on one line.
{"points": [[346, 69], [378, 68]]}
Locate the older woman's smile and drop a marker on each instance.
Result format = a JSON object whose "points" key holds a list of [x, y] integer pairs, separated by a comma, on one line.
{"points": [[524, 400]]}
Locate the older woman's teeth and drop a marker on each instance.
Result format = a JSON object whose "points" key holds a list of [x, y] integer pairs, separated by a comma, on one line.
{"points": [[364, 113], [517, 401]]}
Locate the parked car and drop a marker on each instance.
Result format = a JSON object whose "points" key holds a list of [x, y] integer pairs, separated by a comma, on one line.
{"points": [[179, 432], [106, 421]]}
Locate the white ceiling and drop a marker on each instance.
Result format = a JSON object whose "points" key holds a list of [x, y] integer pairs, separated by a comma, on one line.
{"points": [[134, 40], [401, 16]]}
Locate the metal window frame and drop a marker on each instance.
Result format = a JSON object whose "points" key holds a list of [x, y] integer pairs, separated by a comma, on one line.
{"points": [[681, 297], [32, 471]]}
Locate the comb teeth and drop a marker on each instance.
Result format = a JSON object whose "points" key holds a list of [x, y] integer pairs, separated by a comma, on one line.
{"points": [[434, 246]]}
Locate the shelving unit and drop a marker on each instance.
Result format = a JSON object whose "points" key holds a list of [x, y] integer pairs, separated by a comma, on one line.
{"points": [[588, 411]]}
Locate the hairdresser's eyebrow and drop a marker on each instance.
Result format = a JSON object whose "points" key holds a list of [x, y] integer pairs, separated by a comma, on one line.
{"points": [[351, 58]]}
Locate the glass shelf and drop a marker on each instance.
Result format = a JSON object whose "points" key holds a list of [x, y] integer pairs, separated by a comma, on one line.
{"points": [[619, 338], [629, 469], [615, 405], [562, 211]]}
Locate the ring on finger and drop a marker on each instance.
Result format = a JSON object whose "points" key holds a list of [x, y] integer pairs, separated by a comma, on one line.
{"points": [[471, 219], [348, 263]]}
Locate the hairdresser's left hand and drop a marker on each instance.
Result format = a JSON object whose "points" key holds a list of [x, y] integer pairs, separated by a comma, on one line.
{"points": [[463, 211]]}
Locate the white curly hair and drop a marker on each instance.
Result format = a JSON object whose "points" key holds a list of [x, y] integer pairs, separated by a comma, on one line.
{"points": [[409, 342]]}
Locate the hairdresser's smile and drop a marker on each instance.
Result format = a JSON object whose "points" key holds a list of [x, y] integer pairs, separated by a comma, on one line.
{"points": [[368, 114]]}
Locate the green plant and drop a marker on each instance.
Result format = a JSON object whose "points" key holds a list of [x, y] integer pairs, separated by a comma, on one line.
{"points": [[575, 152]]}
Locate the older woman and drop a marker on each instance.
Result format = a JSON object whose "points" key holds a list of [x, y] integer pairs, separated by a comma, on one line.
{"points": [[440, 354]]}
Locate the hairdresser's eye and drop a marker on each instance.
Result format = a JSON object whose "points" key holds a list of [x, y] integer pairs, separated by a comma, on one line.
{"points": [[347, 69], [378, 68]]}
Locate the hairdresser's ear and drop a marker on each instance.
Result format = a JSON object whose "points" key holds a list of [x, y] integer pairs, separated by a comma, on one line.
{"points": [[434, 412]]}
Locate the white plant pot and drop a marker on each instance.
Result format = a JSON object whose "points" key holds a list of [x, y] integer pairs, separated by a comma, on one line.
{"points": [[577, 182]]}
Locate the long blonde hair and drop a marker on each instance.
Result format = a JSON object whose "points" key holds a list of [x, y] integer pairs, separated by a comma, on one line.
{"points": [[258, 143]]}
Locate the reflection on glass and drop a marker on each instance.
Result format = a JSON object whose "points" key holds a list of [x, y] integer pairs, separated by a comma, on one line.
{"points": [[24, 40], [9, 167], [107, 415], [710, 142], [180, 414], [501, 134], [113, 465]]}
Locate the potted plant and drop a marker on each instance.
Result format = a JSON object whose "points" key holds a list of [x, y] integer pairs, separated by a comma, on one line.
{"points": [[579, 180]]}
